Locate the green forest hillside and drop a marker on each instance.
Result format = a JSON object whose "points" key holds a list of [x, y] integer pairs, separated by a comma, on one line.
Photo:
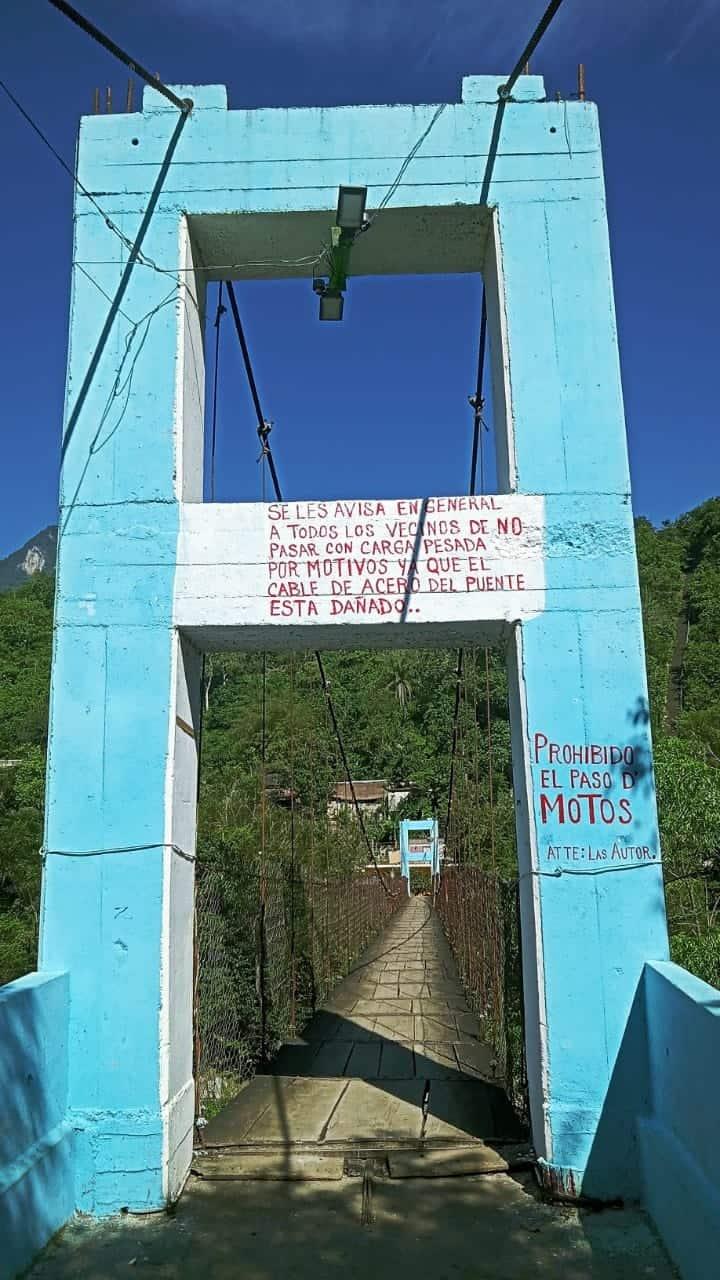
{"points": [[396, 710]]}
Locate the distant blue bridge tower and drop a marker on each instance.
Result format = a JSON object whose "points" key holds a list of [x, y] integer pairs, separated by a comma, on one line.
{"points": [[424, 852]]}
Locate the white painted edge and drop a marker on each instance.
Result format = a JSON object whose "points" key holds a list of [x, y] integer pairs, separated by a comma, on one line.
{"points": [[179, 407], [167, 855], [505, 352], [524, 745]]}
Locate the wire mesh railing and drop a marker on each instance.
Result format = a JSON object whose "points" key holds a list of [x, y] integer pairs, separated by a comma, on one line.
{"points": [[480, 913], [270, 948]]}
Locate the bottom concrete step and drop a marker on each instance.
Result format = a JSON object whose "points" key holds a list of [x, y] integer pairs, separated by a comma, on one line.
{"points": [[274, 1166], [446, 1164]]}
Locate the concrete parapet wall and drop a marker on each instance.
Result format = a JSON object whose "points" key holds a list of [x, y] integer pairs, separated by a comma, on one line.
{"points": [[679, 1138], [36, 1172]]}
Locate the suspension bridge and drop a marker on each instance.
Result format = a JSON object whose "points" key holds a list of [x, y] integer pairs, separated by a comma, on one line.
{"points": [[444, 1070]]}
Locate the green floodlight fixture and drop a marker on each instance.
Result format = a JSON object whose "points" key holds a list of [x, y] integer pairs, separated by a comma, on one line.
{"points": [[349, 221], [350, 214], [331, 305]]}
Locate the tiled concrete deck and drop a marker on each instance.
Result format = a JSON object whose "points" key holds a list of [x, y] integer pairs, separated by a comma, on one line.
{"points": [[395, 1058]]}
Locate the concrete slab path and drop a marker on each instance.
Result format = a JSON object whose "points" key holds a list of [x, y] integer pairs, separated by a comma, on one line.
{"points": [[393, 1058], [483, 1228], [290, 1194]]}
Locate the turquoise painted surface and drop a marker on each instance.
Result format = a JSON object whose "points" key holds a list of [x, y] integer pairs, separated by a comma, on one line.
{"points": [[281, 160], [36, 1142], [599, 882], [582, 660], [102, 911], [422, 857], [681, 1131]]}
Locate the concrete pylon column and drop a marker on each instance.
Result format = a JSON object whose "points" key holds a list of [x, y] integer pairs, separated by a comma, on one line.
{"points": [[591, 882], [117, 907]]}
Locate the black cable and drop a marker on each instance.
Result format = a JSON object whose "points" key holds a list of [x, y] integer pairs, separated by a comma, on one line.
{"points": [[506, 89], [263, 431], [346, 766], [453, 748], [183, 104], [213, 434], [477, 400], [476, 403], [263, 427], [132, 247], [61, 161]]}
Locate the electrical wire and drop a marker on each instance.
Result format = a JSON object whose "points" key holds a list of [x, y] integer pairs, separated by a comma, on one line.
{"points": [[307, 261], [402, 170], [112, 226]]}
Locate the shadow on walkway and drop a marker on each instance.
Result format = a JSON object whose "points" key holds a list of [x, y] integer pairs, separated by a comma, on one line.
{"points": [[394, 1058], [487, 1228]]}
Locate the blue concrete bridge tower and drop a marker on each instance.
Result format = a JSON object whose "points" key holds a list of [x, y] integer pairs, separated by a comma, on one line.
{"points": [[513, 190], [423, 851]]}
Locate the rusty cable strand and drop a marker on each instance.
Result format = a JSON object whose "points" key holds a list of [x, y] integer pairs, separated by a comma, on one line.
{"points": [[488, 721]]}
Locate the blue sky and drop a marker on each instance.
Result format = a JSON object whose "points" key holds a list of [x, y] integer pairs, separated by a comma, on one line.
{"points": [[378, 405]]}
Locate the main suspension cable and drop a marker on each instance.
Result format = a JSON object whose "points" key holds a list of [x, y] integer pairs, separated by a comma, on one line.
{"points": [[183, 104], [263, 426], [477, 403], [213, 433], [346, 766], [506, 89], [263, 431]]}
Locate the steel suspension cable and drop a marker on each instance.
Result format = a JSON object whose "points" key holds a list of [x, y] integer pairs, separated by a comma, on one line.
{"points": [[263, 431], [346, 766], [477, 403], [183, 104], [263, 426], [453, 748], [213, 435], [506, 89]]}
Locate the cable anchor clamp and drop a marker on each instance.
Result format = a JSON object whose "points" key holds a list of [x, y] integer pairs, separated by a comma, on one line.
{"points": [[263, 434]]}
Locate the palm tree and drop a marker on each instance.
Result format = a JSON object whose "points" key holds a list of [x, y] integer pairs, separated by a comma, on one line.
{"points": [[399, 682]]}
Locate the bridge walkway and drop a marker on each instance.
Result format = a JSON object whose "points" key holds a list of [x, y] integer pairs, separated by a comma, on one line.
{"points": [[331, 1166], [393, 1062]]}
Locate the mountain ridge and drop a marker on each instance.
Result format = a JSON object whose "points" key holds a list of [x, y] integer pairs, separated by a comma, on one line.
{"points": [[37, 555]]}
